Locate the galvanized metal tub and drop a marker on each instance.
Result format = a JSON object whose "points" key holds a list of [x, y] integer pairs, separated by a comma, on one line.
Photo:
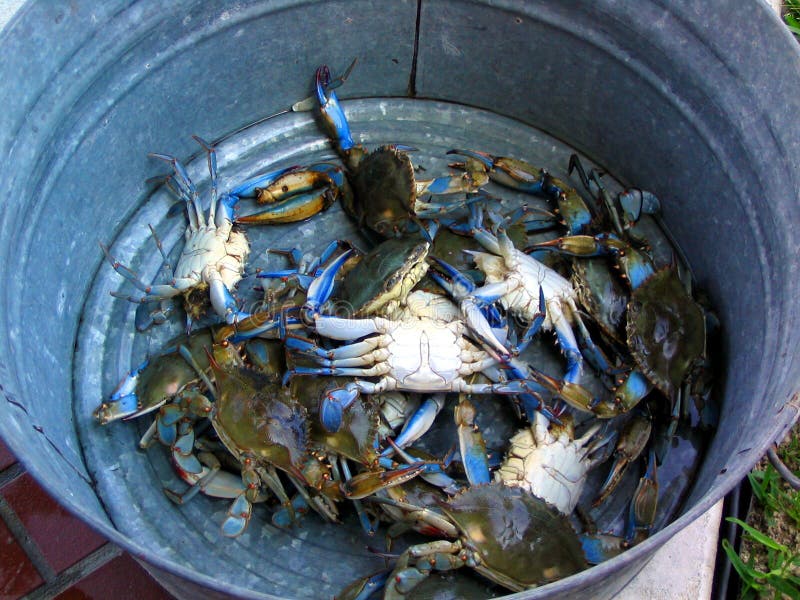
{"points": [[695, 101]]}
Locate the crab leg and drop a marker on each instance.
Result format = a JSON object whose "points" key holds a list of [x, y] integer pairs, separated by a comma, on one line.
{"points": [[366, 352], [642, 513], [632, 441], [418, 423], [187, 192], [333, 117], [521, 176], [321, 289], [471, 443]]}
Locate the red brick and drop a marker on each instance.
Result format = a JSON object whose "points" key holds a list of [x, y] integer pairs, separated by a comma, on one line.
{"points": [[6, 458], [18, 576], [119, 578], [63, 539]]}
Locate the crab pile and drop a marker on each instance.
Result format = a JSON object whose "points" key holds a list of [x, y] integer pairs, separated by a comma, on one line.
{"points": [[368, 381]]}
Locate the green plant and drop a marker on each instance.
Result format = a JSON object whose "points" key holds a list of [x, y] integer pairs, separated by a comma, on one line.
{"points": [[771, 492], [791, 15], [778, 577]]}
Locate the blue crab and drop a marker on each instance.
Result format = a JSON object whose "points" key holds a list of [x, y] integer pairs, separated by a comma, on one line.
{"points": [[215, 248], [386, 195]]}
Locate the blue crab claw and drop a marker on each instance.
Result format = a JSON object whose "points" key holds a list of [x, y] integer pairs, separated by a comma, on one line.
{"points": [[479, 314], [334, 403], [297, 194], [632, 440], [471, 443], [332, 114], [636, 267], [264, 324], [434, 471], [321, 289], [529, 395], [224, 303], [248, 188], [419, 423], [460, 286], [123, 403], [574, 394], [365, 587], [510, 172], [294, 209]]}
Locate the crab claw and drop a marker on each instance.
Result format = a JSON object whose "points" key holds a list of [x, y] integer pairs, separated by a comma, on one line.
{"points": [[333, 116], [367, 483], [635, 266], [123, 402], [510, 172], [632, 440], [642, 513], [320, 290], [249, 188], [334, 403], [577, 396], [478, 314], [296, 195], [471, 443]]}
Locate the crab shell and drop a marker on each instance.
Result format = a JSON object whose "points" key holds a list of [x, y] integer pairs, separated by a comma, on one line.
{"points": [[666, 330], [383, 278], [521, 540], [255, 417], [384, 191], [355, 439]]}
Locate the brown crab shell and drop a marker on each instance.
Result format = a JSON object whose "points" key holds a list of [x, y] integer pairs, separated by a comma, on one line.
{"points": [[360, 421], [522, 541], [258, 418], [666, 330], [384, 191]]}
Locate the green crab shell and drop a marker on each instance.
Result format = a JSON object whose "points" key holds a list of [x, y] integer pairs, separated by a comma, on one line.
{"points": [[255, 417], [385, 275], [384, 191], [666, 330], [356, 436], [522, 541]]}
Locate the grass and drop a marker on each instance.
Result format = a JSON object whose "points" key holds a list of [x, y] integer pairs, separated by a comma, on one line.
{"points": [[769, 564], [791, 15]]}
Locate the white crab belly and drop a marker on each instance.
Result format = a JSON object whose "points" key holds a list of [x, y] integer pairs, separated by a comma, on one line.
{"points": [[206, 252], [527, 278], [424, 356], [553, 471]]}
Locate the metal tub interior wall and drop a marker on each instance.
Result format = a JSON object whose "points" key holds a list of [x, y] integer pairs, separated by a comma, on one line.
{"points": [[688, 99]]}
